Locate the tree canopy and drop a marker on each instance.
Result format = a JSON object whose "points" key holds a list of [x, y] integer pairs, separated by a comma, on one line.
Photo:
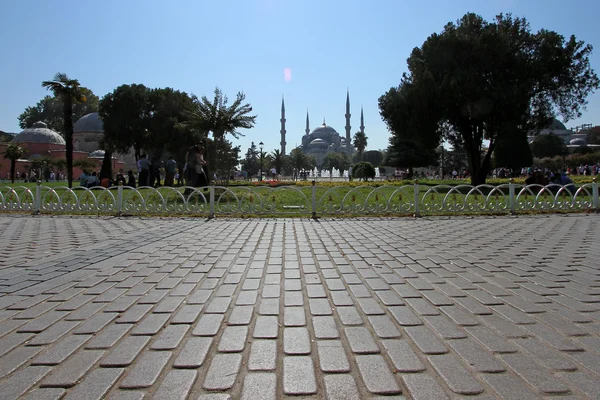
{"points": [[50, 110], [548, 145], [482, 80], [339, 161], [360, 144]]}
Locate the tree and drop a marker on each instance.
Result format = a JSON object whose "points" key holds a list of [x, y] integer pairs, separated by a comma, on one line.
{"points": [[375, 157], [70, 92], [13, 152], [490, 77], [548, 145], [222, 158], [125, 114], [404, 153], [277, 160], [363, 170], [360, 143], [50, 111], [513, 151], [86, 164], [593, 135], [339, 161], [300, 160], [251, 162], [218, 117]]}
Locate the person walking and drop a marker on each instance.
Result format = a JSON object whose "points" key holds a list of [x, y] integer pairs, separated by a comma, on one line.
{"points": [[170, 167]]}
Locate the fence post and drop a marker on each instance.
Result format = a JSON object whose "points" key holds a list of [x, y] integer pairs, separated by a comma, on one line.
{"points": [[417, 199], [211, 200], [314, 200], [511, 195], [120, 198], [38, 198], [595, 202]]}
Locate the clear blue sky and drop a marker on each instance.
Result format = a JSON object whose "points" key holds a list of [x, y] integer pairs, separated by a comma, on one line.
{"points": [[245, 45]]}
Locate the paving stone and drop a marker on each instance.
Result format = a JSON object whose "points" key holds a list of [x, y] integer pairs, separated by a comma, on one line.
{"points": [[504, 327], [349, 316], [121, 304], [61, 350], [299, 376], [260, 386], [403, 356], [269, 307], [404, 316], [74, 369], [53, 333], [241, 315], [445, 328], [296, 341], [109, 336], [332, 357], [125, 352], [233, 339], [96, 384], [361, 341], [545, 355], [533, 374], [176, 385], [35, 311], [320, 307], [151, 324], [325, 328], [384, 327], [168, 305], [247, 297], [263, 355], [376, 375], [208, 325], [222, 372], [153, 297], [266, 327], [455, 375], [84, 312], [41, 323], [134, 314], [475, 356], [341, 387], [423, 387], [425, 340], [508, 386], [95, 323], [294, 316], [146, 370], [45, 394], [170, 337], [583, 382], [553, 338], [16, 358], [193, 353], [226, 291], [21, 381]]}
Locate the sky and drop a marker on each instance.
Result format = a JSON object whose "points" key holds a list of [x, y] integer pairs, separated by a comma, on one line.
{"points": [[308, 51]]}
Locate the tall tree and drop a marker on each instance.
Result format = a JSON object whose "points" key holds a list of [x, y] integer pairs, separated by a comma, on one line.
{"points": [[70, 92], [404, 153], [489, 77], [339, 161], [277, 160], [218, 117], [360, 143], [251, 162], [512, 151], [13, 152], [50, 110], [548, 145], [374, 157]]}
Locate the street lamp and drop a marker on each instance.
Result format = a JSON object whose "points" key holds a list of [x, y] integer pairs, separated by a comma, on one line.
{"points": [[260, 146]]}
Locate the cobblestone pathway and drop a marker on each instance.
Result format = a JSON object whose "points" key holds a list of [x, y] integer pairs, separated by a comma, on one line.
{"points": [[476, 308]]}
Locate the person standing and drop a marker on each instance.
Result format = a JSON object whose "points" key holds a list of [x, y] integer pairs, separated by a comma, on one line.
{"points": [[130, 179], [201, 171], [191, 160], [144, 169], [170, 167]]}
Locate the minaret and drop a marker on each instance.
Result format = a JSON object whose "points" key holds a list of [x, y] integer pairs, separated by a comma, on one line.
{"points": [[282, 131], [307, 130], [362, 121], [348, 127]]}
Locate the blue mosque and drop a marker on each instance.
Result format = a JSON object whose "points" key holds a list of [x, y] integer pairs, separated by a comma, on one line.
{"points": [[323, 139]]}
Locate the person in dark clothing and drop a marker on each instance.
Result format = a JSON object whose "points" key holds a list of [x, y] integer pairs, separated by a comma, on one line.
{"points": [[130, 179], [120, 178]]}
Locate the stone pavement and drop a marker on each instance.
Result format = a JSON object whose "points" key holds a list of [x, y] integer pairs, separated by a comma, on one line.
{"points": [[433, 308]]}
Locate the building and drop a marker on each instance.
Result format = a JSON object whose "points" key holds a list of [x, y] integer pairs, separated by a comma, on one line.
{"points": [[324, 138], [573, 138], [39, 141]]}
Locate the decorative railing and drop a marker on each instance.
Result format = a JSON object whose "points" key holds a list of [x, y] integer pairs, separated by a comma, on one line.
{"points": [[314, 200]]}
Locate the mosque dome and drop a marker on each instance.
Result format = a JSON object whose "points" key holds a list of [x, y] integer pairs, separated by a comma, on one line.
{"points": [[323, 132], [96, 154], [577, 142], [39, 133], [556, 125], [89, 123], [318, 143]]}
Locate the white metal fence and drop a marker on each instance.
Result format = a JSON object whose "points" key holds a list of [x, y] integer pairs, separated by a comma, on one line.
{"points": [[315, 200]]}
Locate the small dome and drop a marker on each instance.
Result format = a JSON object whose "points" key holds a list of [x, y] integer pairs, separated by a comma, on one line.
{"points": [[318, 143], [39, 133], [556, 125], [89, 123], [577, 142], [96, 154]]}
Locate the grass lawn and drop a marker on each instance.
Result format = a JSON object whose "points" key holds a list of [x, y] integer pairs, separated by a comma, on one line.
{"points": [[295, 198]]}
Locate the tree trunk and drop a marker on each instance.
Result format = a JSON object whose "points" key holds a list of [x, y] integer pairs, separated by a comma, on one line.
{"points": [[106, 170], [68, 127], [13, 163]]}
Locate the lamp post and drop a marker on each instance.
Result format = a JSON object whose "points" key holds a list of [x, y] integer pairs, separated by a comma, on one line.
{"points": [[260, 146]]}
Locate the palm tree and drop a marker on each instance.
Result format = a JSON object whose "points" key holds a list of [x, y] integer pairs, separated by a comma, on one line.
{"points": [[219, 118], [277, 159], [70, 92], [13, 152], [360, 143]]}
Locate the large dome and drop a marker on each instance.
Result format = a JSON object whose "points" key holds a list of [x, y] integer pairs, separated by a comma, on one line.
{"points": [[323, 132], [89, 123], [39, 133]]}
